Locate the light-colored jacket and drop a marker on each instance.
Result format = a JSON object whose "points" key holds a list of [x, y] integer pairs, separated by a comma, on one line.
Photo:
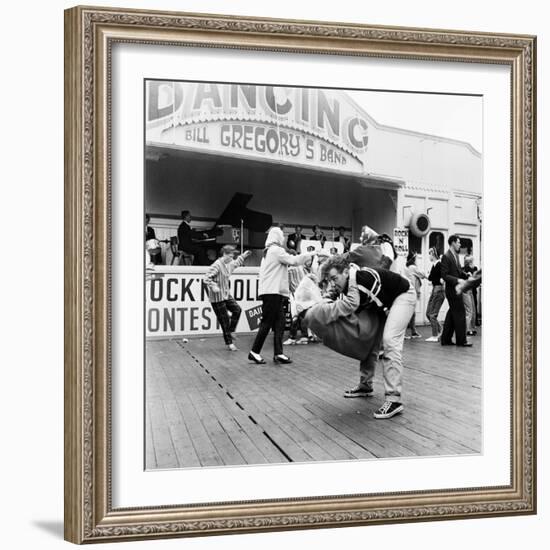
{"points": [[415, 276], [274, 265]]}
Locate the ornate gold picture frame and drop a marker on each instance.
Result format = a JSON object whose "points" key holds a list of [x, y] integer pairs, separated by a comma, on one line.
{"points": [[90, 35]]}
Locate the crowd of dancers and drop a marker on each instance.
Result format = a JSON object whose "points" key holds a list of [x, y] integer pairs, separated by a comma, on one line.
{"points": [[360, 303]]}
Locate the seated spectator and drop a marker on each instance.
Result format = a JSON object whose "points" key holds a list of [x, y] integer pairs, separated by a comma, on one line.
{"points": [[152, 244], [343, 239], [294, 239], [318, 235]]}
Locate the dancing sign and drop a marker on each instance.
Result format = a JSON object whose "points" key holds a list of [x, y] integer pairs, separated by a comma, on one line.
{"points": [[320, 128]]}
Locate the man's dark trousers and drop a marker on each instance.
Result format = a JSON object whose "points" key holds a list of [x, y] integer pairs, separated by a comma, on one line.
{"points": [[455, 321]]}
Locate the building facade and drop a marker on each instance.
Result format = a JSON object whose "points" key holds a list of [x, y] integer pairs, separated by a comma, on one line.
{"points": [[306, 157]]}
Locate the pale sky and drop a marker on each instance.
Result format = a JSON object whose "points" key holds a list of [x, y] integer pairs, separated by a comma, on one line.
{"points": [[450, 116]]}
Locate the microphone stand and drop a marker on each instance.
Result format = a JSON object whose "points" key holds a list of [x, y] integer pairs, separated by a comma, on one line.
{"points": [[242, 235]]}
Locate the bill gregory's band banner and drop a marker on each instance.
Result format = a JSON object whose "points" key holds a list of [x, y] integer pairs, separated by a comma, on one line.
{"points": [[313, 127]]}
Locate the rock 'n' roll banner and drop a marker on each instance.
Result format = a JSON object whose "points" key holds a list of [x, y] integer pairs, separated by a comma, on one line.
{"points": [[177, 303]]}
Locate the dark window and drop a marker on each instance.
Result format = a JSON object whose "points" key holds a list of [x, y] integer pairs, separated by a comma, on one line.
{"points": [[437, 240], [415, 243], [466, 245]]}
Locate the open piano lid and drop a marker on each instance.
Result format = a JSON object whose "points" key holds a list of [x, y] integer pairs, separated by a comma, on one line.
{"points": [[256, 222]]}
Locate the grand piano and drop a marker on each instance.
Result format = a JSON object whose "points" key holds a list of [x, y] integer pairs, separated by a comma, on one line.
{"points": [[227, 228]]}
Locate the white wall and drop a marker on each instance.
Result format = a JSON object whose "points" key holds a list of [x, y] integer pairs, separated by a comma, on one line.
{"points": [[424, 161], [32, 310]]}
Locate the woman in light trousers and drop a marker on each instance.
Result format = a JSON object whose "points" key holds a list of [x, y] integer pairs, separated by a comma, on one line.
{"points": [[437, 297]]}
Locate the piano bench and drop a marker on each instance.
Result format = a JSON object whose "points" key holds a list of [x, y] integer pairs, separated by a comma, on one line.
{"points": [[186, 258]]}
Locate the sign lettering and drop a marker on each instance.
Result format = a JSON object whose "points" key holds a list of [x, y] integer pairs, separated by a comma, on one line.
{"points": [[177, 304], [322, 128]]}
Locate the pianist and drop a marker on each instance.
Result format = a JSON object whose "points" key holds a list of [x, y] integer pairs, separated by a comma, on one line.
{"points": [[189, 239]]}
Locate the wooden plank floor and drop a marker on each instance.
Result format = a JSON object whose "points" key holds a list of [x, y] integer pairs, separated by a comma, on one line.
{"points": [[206, 406]]}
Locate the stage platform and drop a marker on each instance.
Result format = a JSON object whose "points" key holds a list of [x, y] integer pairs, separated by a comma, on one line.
{"points": [[208, 407]]}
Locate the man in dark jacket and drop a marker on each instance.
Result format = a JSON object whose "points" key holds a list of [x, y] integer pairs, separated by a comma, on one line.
{"points": [[188, 239], [294, 240], [452, 273]]}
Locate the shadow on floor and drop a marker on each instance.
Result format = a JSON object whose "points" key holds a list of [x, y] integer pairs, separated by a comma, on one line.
{"points": [[52, 527]]}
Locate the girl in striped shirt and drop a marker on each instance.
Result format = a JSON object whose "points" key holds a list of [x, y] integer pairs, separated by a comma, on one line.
{"points": [[225, 307]]}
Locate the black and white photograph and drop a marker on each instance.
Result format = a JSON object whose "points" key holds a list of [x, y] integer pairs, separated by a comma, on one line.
{"points": [[313, 268]]}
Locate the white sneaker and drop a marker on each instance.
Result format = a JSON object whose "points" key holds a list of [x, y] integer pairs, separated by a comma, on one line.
{"points": [[432, 339], [302, 341], [289, 342], [232, 347]]}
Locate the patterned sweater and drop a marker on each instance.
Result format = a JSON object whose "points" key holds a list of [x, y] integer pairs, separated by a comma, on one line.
{"points": [[295, 274], [218, 274]]}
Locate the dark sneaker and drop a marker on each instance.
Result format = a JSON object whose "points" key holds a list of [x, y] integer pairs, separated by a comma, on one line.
{"points": [[388, 409], [359, 391], [416, 335]]}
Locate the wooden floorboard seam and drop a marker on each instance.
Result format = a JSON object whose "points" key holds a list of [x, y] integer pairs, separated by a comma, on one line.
{"points": [[206, 406]]}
